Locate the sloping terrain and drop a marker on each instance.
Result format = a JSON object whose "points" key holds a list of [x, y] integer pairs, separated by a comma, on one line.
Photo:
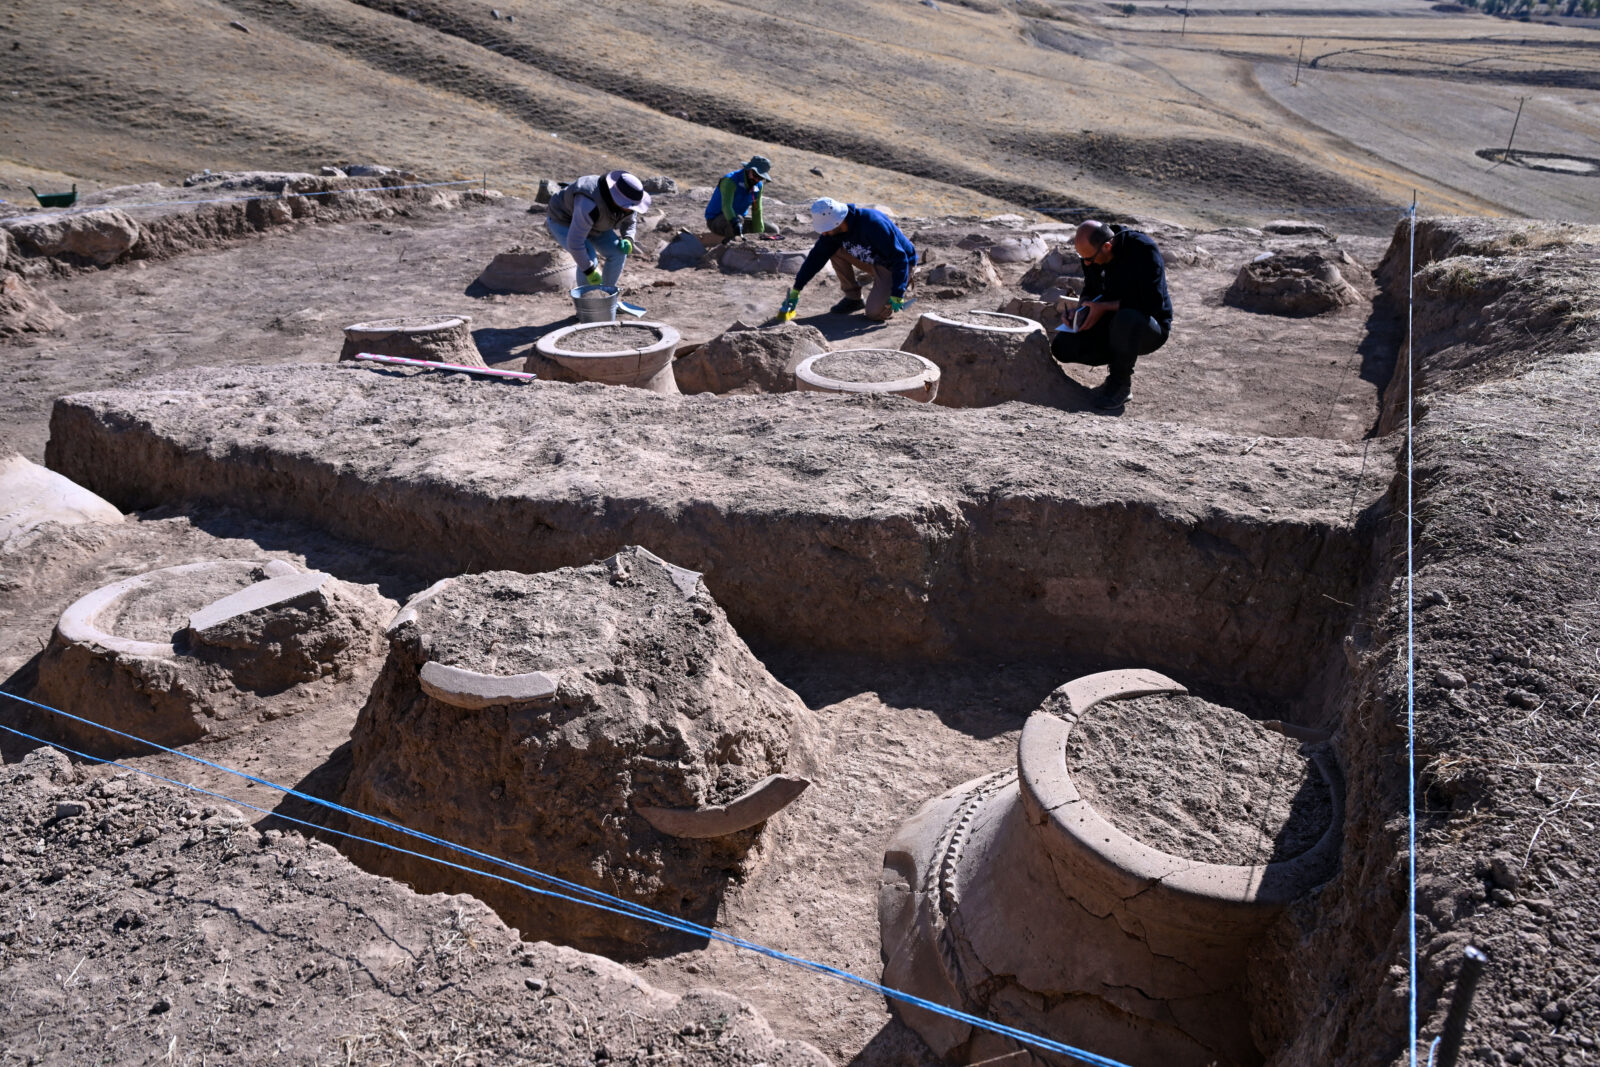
{"points": [[1053, 107]]}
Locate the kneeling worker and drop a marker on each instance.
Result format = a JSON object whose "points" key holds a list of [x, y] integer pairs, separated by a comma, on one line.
{"points": [[596, 218], [855, 237], [1127, 312], [735, 205]]}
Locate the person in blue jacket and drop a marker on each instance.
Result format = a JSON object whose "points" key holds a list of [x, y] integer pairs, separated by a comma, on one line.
{"points": [[857, 238], [735, 205]]}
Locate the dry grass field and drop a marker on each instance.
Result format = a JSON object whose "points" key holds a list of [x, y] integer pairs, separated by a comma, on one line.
{"points": [[1050, 106]]}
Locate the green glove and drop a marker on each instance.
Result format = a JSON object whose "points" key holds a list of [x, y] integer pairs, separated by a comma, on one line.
{"points": [[787, 308], [592, 275], [897, 303], [626, 246]]}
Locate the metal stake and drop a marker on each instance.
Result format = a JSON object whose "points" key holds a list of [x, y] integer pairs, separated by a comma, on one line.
{"points": [[1297, 60], [1455, 1023]]}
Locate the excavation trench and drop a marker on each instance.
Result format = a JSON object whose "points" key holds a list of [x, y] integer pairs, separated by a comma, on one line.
{"points": [[818, 525], [821, 523]]}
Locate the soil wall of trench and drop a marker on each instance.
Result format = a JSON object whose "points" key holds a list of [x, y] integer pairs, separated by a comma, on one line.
{"points": [[868, 526], [1506, 594]]}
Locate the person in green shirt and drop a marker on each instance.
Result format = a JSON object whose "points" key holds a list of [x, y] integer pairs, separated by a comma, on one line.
{"points": [[735, 205]]}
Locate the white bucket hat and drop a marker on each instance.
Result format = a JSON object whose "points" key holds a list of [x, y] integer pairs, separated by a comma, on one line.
{"points": [[827, 213]]}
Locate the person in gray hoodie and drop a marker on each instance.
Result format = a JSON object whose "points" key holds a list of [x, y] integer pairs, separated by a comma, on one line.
{"points": [[595, 219]]}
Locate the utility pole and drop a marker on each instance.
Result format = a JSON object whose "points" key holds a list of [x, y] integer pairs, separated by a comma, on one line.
{"points": [[1184, 28], [1506, 156], [1297, 60]]}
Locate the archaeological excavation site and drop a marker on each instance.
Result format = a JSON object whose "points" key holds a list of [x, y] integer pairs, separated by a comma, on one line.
{"points": [[630, 675]]}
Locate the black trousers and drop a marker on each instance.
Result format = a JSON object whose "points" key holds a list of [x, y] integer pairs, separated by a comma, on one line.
{"points": [[1117, 340]]}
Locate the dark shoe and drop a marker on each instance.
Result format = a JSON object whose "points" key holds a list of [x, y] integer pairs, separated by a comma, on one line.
{"points": [[1112, 395], [847, 305]]}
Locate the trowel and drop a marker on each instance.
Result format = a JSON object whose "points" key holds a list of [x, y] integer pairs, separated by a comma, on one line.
{"points": [[630, 309]]}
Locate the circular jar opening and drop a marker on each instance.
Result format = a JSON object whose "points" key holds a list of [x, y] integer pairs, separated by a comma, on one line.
{"points": [[610, 337], [871, 365], [159, 607], [1199, 781]]}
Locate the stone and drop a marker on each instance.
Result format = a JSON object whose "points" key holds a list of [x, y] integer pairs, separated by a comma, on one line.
{"points": [[269, 181], [657, 184], [1449, 680], [1297, 228], [749, 358], [205, 650], [1505, 871], [972, 272], [23, 309], [371, 170], [1059, 266], [1523, 698], [753, 255], [434, 338], [987, 358], [98, 237], [684, 250], [531, 271], [660, 716], [1012, 896], [1296, 284], [331, 172], [31, 495]]}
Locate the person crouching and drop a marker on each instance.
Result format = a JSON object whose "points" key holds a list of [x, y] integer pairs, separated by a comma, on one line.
{"points": [[596, 219], [857, 238]]}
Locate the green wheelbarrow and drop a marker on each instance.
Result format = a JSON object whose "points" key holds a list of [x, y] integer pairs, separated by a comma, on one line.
{"points": [[55, 199]]}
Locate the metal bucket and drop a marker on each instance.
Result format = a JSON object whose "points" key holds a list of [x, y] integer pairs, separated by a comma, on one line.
{"points": [[596, 303]]}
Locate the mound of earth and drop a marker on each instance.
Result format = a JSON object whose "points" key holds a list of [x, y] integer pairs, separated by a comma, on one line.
{"points": [[1293, 283], [961, 274], [603, 724], [530, 270], [24, 309], [81, 238], [749, 359], [1198, 780], [137, 919]]}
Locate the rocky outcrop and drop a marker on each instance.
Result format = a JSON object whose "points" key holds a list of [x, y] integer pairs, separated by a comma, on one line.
{"points": [[603, 724]]}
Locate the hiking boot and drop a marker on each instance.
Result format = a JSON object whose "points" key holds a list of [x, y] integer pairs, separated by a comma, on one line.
{"points": [[1112, 395], [847, 305]]}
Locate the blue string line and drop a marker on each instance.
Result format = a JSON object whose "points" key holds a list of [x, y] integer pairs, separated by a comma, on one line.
{"points": [[29, 217], [590, 897], [1411, 649]]}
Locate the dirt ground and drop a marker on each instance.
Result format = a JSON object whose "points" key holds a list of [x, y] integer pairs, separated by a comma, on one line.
{"points": [[284, 297], [209, 941]]}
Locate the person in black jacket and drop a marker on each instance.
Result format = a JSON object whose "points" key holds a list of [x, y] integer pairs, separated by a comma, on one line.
{"points": [[1125, 311]]}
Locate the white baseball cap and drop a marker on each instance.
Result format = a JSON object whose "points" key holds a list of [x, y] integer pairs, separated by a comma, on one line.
{"points": [[827, 213]]}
